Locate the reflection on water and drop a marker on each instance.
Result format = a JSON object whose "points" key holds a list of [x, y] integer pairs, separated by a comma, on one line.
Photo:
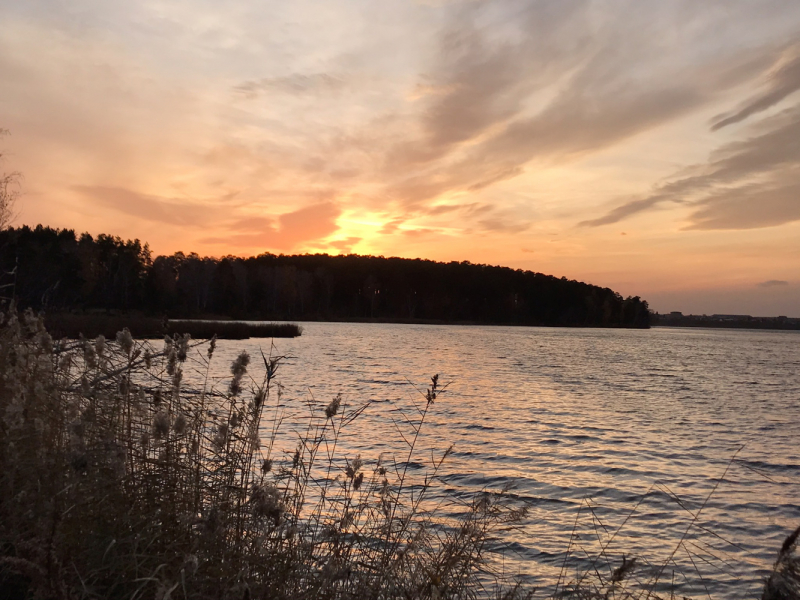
{"points": [[582, 425]]}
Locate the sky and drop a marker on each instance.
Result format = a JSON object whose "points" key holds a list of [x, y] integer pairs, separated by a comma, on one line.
{"points": [[647, 146]]}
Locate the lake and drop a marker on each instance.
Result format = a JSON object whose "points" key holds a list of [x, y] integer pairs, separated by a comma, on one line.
{"points": [[583, 426]]}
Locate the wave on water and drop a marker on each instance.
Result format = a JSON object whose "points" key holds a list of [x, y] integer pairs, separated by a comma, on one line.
{"points": [[614, 439]]}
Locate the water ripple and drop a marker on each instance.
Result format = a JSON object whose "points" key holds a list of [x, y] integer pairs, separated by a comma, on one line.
{"points": [[583, 424]]}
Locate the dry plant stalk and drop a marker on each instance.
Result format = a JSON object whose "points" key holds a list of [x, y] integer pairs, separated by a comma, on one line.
{"points": [[784, 581]]}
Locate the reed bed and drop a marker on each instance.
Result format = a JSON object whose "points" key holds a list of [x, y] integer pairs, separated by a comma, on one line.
{"points": [[121, 480], [72, 325], [233, 330]]}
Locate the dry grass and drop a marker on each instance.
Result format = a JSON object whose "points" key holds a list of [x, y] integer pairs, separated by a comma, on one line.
{"points": [[120, 481]]}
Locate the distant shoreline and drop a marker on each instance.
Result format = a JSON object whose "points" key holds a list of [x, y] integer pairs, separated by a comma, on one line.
{"points": [[71, 325], [715, 322]]}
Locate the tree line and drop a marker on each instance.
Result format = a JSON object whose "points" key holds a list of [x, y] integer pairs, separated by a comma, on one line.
{"points": [[56, 270]]}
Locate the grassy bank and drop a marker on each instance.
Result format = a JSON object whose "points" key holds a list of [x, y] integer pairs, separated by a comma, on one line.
{"points": [[71, 325], [120, 480]]}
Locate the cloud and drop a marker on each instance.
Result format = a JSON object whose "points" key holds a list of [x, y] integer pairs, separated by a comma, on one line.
{"points": [[624, 211], [503, 226], [420, 232], [467, 208], [345, 246], [288, 231], [556, 87], [285, 231], [745, 184], [773, 283], [253, 224], [748, 207], [391, 226], [449, 215], [782, 81], [171, 211], [296, 83], [309, 223]]}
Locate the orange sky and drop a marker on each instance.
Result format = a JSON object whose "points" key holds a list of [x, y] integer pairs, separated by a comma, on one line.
{"points": [[652, 147]]}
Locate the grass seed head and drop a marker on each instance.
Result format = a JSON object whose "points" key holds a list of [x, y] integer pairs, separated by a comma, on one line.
{"points": [[89, 355], [172, 360], [179, 426], [125, 341], [333, 407], [239, 365], [182, 343], [161, 424], [100, 345], [266, 502], [221, 438]]}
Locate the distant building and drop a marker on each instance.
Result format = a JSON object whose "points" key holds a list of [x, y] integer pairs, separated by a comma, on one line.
{"points": [[676, 313]]}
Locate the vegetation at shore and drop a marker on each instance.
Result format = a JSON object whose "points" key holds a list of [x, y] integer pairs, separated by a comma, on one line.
{"points": [[129, 472], [71, 325], [57, 270], [725, 321], [123, 479]]}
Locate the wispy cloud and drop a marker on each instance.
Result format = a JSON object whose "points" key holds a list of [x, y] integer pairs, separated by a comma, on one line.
{"points": [[345, 246], [781, 81], [745, 184], [296, 83], [565, 89], [286, 232], [773, 283], [170, 211], [503, 226]]}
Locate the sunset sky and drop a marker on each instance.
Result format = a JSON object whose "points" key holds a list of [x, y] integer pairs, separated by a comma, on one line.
{"points": [[649, 146]]}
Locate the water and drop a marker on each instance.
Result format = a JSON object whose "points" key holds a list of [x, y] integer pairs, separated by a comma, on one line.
{"points": [[581, 425]]}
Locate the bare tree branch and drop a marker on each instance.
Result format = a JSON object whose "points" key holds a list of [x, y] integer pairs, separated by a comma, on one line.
{"points": [[9, 192]]}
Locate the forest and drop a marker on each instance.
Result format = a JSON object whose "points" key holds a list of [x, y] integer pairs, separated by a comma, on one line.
{"points": [[57, 270]]}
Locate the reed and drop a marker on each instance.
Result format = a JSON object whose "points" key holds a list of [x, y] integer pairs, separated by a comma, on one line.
{"points": [[122, 480]]}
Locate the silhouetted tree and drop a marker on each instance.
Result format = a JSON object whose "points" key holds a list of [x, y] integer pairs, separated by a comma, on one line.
{"points": [[59, 270]]}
